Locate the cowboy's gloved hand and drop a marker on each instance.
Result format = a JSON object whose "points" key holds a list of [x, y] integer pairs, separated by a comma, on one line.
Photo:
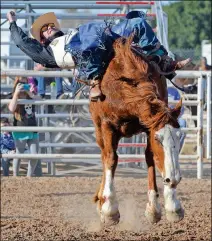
{"points": [[39, 67], [11, 16]]}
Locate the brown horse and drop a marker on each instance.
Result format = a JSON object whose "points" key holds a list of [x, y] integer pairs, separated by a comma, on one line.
{"points": [[136, 101]]}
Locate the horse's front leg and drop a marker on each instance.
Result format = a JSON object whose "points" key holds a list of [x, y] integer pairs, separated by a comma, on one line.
{"points": [[174, 210], [171, 177], [153, 209], [106, 195]]}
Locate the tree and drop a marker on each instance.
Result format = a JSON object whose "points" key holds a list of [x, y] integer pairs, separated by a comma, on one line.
{"points": [[189, 22]]}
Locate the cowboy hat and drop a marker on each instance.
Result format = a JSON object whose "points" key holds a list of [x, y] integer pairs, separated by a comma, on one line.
{"points": [[42, 20]]}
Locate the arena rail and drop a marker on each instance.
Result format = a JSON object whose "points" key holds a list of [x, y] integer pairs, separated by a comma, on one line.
{"points": [[81, 156], [201, 75], [64, 115], [28, 73], [65, 129], [80, 5], [76, 16], [74, 102]]}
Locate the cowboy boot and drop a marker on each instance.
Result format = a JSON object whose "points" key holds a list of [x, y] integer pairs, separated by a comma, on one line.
{"points": [[168, 65], [182, 63], [95, 91]]}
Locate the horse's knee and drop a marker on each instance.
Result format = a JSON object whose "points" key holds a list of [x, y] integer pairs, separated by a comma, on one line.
{"points": [[110, 155], [100, 142], [111, 159]]}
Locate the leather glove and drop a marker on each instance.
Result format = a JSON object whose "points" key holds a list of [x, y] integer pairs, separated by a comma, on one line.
{"points": [[11, 16]]}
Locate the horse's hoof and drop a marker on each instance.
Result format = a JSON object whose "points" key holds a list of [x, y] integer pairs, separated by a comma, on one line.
{"points": [[153, 217], [110, 220], [175, 216]]}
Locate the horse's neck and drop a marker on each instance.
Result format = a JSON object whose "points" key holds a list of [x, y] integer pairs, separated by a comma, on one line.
{"points": [[160, 82], [152, 106], [152, 121]]}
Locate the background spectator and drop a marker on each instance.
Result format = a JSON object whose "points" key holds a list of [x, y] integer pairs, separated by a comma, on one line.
{"points": [[204, 64], [24, 115], [7, 146]]}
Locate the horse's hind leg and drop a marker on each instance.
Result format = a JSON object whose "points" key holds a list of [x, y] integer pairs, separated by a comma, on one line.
{"points": [[106, 196], [153, 210]]}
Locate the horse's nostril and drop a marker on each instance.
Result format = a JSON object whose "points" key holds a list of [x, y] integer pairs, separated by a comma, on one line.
{"points": [[173, 186], [167, 180]]}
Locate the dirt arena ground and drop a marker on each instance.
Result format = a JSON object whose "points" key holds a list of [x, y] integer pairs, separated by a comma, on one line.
{"points": [[61, 208]]}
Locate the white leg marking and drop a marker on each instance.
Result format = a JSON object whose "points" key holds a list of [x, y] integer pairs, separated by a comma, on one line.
{"points": [[172, 204], [110, 205], [153, 201]]}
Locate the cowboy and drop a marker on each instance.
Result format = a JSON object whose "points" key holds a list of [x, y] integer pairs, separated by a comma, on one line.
{"points": [[89, 48]]}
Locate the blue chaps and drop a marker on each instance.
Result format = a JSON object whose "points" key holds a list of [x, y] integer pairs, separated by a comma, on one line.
{"points": [[92, 46]]}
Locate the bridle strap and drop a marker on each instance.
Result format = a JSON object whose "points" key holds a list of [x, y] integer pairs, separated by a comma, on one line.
{"points": [[184, 89]]}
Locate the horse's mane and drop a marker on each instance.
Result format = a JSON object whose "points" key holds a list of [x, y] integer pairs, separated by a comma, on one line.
{"points": [[127, 61], [136, 80], [153, 111]]}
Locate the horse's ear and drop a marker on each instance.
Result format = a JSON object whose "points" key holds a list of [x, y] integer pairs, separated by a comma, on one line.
{"points": [[177, 110]]}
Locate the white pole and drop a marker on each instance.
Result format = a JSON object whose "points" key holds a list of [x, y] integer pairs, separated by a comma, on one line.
{"points": [[46, 136], [81, 115], [48, 102], [75, 102], [48, 129], [200, 129], [67, 129], [27, 73], [208, 117], [53, 96], [87, 156], [41, 109]]}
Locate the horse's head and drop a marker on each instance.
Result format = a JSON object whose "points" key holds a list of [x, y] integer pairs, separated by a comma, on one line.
{"points": [[165, 142]]}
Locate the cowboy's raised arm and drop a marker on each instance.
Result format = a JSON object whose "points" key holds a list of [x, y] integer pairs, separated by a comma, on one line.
{"points": [[31, 47]]}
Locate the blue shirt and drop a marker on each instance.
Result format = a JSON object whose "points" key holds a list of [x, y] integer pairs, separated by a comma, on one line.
{"points": [[7, 142]]}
